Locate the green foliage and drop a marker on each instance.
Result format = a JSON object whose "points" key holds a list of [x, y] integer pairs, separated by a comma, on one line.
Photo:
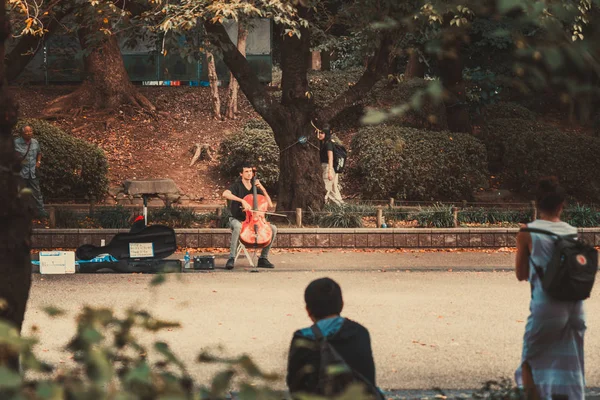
{"points": [[406, 163], [113, 217], [110, 362], [493, 216], [435, 216], [425, 111], [120, 218], [491, 44], [418, 104], [397, 214], [582, 216], [66, 219], [503, 389], [71, 168], [524, 151], [325, 86], [180, 217], [257, 123], [348, 215], [223, 221], [505, 109], [482, 88], [255, 145], [350, 51]]}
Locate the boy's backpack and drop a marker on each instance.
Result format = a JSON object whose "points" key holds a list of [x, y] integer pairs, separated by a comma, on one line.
{"points": [[339, 157], [571, 271], [335, 375]]}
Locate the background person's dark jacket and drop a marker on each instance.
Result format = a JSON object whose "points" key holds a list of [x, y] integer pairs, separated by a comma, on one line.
{"points": [[350, 339]]}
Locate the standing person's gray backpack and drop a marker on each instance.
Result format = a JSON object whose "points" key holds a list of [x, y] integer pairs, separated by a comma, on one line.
{"points": [[335, 375], [571, 271]]}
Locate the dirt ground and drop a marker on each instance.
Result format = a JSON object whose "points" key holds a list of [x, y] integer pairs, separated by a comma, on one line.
{"points": [[139, 145]]}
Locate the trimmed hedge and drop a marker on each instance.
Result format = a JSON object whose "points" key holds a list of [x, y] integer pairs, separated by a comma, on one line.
{"points": [[71, 168], [412, 164], [429, 114], [507, 109], [254, 143], [524, 151], [327, 85]]}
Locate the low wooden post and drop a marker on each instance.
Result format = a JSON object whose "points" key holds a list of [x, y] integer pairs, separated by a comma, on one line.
{"points": [[52, 217], [299, 217], [92, 206], [533, 210], [219, 211], [379, 217], [392, 202], [455, 216]]}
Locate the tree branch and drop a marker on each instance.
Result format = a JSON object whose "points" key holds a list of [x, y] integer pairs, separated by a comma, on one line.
{"points": [[263, 103], [20, 56], [377, 66]]}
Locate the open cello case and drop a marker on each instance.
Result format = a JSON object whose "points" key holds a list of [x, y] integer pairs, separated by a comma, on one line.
{"points": [[143, 249]]}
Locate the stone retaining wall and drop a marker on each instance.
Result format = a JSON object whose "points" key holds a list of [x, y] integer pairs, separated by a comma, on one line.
{"points": [[313, 237]]}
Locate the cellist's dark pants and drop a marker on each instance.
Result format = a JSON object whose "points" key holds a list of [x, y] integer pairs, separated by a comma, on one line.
{"points": [[236, 227]]}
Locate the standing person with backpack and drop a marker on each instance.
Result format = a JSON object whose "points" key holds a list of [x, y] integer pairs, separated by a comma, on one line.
{"points": [[330, 175], [333, 342], [552, 362]]}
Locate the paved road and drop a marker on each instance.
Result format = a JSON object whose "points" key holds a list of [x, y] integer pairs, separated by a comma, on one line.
{"points": [[452, 330], [373, 259]]}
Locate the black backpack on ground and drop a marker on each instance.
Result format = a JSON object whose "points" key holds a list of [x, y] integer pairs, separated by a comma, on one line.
{"points": [[335, 375], [571, 271], [339, 157]]}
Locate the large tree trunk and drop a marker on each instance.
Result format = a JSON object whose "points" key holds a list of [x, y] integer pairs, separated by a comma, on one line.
{"points": [[213, 79], [414, 67], [300, 182], [106, 85], [15, 235], [232, 105], [451, 75]]}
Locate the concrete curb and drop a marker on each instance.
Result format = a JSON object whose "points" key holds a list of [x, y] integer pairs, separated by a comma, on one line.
{"points": [[315, 237]]}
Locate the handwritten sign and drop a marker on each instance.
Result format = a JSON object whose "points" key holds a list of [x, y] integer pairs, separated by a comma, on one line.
{"points": [[57, 262], [139, 250]]}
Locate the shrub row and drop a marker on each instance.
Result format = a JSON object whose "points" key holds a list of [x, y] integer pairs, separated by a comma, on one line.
{"points": [[332, 216], [406, 163], [256, 144], [119, 217], [72, 168], [523, 151]]}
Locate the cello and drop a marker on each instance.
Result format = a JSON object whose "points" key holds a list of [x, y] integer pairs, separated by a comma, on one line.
{"points": [[256, 232]]}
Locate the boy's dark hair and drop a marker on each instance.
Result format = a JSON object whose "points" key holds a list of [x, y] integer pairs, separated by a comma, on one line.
{"points": [[323, 297], [245, 164], [550, 195]]}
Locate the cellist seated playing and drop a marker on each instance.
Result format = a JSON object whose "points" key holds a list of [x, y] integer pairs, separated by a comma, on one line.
{"points": [[238, 206]]}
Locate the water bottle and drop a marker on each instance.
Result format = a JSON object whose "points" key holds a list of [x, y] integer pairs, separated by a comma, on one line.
{"points": [[186, 260]]}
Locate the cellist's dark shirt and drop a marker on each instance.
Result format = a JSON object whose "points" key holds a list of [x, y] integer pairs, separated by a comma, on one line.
{"points": [[238, 189]]}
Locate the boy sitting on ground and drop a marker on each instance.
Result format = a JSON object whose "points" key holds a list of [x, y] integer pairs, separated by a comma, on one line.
{"points": [[349, 339]]}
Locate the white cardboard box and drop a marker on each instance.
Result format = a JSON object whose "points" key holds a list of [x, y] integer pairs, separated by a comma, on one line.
{"points": [[57, 262]]}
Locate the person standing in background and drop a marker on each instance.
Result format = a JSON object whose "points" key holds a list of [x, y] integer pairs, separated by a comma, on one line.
{"points": [[30, 154], [330, 177]]}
